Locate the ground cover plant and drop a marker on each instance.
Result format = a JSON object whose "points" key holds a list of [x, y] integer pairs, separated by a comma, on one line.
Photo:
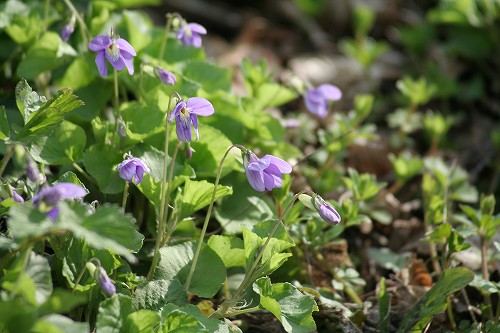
{"points": [[141, 193]]}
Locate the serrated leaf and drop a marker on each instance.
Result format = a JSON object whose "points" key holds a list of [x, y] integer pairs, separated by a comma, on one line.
{"points": [[292, 308], [27, 100], [27, 221], [154, 295], [176, 320], [197, 195], [64, 146], [108, 228], [142, 321], [434, 301], [112, 313], [51, 113], [175, 263], [229, 249]]}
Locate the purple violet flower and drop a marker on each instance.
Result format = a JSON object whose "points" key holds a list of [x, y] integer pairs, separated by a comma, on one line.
{"points": [[117, 50], [265, 173], [166, 76], [326, 211], [104, 281], [15, 196], [189, 34], [132, 169], [186, 113], [32, 171], [48, 197], [316, 99]]}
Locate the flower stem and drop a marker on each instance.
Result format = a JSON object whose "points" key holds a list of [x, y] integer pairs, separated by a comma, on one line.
{"points": [[83, 26], [207, 217], [166, 32], [484, 271], [125, 196], [116, 105], [46, 14], [5, 159], [167, 194], [249, 275], [163, 199]]}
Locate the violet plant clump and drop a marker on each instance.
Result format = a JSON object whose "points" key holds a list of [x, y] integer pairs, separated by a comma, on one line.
{"points": [[186, 116], [116, 50]]}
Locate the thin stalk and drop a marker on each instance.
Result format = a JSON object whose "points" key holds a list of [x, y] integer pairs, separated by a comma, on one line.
{"points": [[451, 317], [125, 196], [235, 313], [23, 268], [6, 159], [484, 271], [86, 175], [167, 194], [207, 217], [348, 290], [46, 14], [83, 26], [163, 199], [116, 105], [166, 32], [253, 268]]}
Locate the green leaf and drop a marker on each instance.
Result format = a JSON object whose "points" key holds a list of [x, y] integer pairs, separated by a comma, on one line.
{"points": [[154, 295], [22, 23], [17, 316], [100, 162], [142, 121], [434, 301], [79, 73], [4, 124], [44, 119], [292, 308], [64, 146], [27, 221], [62, 301], [384, 301], [42, 56], [55, 323], [142, 321], [175, 263], [229, 249], [108, 228], [178, 321], [209, 150], [27, 100], [32, 280], [272, 94], [198, 194], [112, 314], [210, 76]]}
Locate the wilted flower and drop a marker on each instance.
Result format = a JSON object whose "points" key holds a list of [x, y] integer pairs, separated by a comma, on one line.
{"points": [[327, 212], [316, 99], [186, 113], [48, 197], [104, 281], [165, 76], [117, 50], [189, 34], [132, 169], [265, 173]]}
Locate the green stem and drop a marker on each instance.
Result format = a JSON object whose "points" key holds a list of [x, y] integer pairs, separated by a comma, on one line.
{"points": [[83, 26], [167, 194], [235, 313], [207, 217], [86, 175], [6, 159], [163, 199], [484, 271], [23, 268], [249, 275], [46, 14], [116, 105], [166, 32], [125, 196], [451, 317]]}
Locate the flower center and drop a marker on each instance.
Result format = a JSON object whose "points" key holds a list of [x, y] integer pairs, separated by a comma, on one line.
{"points": [[184, 113], [114, 51]]}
